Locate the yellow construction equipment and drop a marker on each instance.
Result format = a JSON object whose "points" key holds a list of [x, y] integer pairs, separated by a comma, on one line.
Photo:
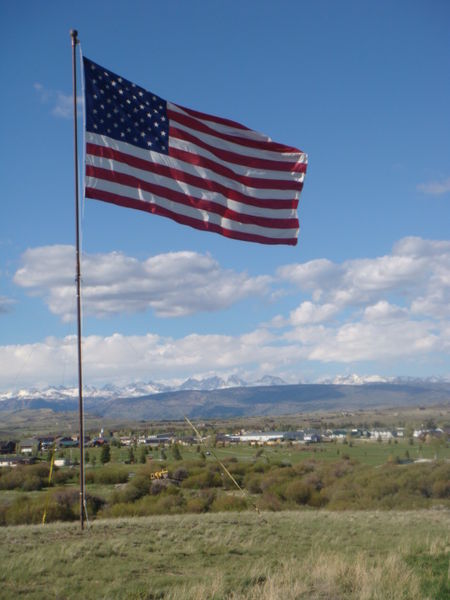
{"points": [[160, 474]]}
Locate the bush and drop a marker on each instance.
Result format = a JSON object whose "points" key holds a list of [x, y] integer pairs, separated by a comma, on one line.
{"points": [[60, 505], [180, 474], [139, 486], [107, 475], [32, 483], [298, 492], [269, 501], [229, 503], [25, 477], [157, 486], [253, 483], [206, 479]]}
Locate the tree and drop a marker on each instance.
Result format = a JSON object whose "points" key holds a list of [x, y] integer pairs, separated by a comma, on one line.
{"points": [[105, 455], [142, 458], [176, 452]]}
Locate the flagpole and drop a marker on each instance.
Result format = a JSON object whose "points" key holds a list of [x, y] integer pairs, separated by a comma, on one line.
{"points": [[74, 36]]}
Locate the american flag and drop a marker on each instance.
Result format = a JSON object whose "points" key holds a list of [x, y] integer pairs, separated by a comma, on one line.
{"points": [[208, 172]]}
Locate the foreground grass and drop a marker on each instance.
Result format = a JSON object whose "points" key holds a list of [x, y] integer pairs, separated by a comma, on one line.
{"points": [[289, 555]]}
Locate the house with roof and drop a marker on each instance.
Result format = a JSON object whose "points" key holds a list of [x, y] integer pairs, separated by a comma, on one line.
{"points": [[8, 447], [29, 446]]}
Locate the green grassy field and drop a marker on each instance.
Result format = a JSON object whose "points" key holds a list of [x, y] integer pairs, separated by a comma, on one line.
{"points": [[370, 453], [289, 555]]}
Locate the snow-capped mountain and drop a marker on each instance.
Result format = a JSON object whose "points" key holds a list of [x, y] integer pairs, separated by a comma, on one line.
{"points": [[137, 389], [216, 397]]}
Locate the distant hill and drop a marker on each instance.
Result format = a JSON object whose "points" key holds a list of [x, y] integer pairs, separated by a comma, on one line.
{"points": [[255, 400]]}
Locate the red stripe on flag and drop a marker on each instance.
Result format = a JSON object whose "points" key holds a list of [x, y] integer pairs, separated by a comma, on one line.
{"points": [[219, 120], [195, 160], [238, 159], [249, 143], [188, 200], [197, 224]]}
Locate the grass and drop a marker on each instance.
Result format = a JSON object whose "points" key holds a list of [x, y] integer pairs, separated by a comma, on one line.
{"points": [[369, 453], [304, 554]]}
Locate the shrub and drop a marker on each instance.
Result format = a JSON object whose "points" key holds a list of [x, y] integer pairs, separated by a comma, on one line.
{"points": [[107, 475], [229, 503], [157, 486], [441, 489], [299, 492], [32, 483], [139, 486], [11, 479], [261, 467], [207, 479], [60, 505], [197, 505], [180, 474], [269, 501], [25, 477], [62, 476], [253, 483]]}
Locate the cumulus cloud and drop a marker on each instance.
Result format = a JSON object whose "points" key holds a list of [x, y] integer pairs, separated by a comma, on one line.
{"points": [[172, 285], [384, 312], [387, 310], [371, 341], [119, 358], [124, 358], [372, 309], [417, 270], [62, 104], [435, 188], [308, 313]]}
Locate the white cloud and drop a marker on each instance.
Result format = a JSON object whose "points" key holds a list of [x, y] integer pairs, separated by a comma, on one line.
{"points": [[416, 269], [382, 311], [308, 313], [386, 310], [172, 285], [62, 104], [372, 309], [369, 341], [435, 188], [124, 358]]}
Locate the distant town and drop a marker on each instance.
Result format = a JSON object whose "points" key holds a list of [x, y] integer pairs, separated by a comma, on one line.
{"points": [[13, 452]]}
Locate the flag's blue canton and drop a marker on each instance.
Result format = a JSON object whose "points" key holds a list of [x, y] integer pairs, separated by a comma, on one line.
{"points": [[124, 111]]}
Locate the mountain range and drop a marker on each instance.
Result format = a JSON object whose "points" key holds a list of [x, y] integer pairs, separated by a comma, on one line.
{"points": [[215, 397]]}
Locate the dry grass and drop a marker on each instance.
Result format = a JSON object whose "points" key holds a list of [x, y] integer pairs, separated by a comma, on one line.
{"points": [[289, 555]]}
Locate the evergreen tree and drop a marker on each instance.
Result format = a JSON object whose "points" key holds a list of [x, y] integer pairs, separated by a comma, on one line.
{"points": [[143, 455], [176, 452], [105, 455]]}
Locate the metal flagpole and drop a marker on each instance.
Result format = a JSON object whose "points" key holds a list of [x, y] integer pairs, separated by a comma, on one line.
{"points": [[74, 36]]}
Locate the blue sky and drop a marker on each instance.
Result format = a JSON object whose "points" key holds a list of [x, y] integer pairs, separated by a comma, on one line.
{"points": [[362, 87]]}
